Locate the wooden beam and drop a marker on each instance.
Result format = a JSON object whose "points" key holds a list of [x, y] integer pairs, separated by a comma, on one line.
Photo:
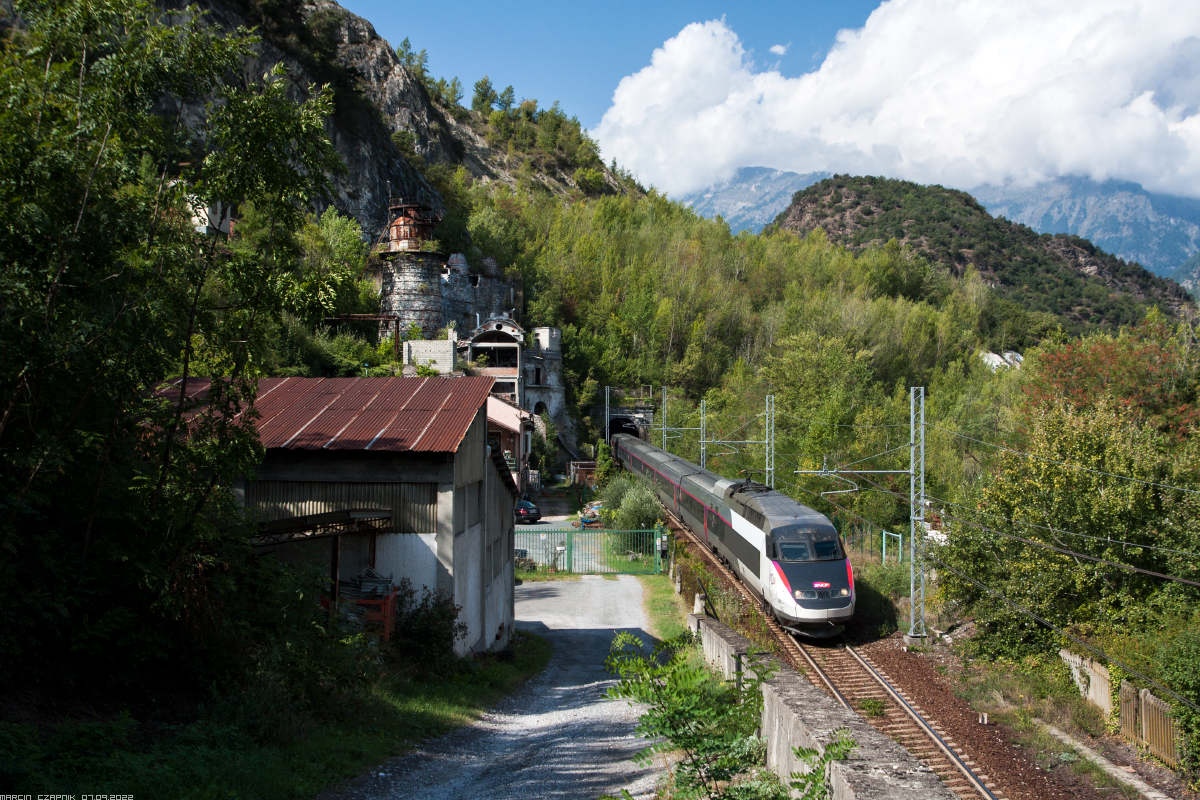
{"points": [[335, 559]]}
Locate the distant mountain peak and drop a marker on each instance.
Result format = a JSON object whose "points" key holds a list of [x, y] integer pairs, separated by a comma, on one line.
{"points": [[1158, 231], [751, 197]]}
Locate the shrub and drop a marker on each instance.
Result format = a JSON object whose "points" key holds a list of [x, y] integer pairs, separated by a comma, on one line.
{"points": [[427, 626], [589, 181]]}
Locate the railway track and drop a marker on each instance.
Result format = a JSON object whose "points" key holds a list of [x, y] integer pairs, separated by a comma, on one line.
{"points": [[851, 679]]}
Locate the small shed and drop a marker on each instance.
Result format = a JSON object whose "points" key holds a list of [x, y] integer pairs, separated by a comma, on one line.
{"points": [[430, 499]]}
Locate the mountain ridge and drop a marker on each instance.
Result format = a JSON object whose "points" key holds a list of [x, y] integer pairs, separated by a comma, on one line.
{"points": [[751, 197], [1160, 232], [1064, 275]]}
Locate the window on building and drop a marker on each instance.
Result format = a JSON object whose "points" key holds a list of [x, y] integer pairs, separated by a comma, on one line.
{"points": [[504, 387], [537, 376]]}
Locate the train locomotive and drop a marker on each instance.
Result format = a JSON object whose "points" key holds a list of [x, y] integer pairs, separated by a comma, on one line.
{"points": [[788, 555]]}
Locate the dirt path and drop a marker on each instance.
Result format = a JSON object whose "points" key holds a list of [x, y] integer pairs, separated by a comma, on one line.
{"points": [[556, 737]]}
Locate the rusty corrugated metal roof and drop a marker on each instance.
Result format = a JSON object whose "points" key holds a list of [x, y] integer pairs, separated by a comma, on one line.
{"points": [[427, 415]]}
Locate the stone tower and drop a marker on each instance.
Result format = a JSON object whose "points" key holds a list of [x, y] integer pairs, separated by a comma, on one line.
{"points": [[411, 278]]}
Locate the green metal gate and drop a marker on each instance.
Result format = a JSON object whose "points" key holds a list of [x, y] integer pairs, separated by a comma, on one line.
{"points": [[590, 551]]}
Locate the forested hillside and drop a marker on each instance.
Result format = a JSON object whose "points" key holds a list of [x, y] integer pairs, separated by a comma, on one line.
{"points": [[126, 572], [1061, 275]]}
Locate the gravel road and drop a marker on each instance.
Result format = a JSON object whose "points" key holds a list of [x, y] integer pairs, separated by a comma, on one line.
{"points": [[555, 737]]}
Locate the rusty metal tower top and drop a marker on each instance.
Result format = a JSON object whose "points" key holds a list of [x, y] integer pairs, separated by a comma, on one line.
{"points": [[410, 223]]}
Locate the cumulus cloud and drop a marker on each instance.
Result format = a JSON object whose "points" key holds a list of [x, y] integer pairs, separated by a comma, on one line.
{"points": [[958, 92], [780, 49]]}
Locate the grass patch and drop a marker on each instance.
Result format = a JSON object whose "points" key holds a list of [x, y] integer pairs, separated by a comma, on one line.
{"points": [[664, 608], [532, 576], [1038, 686], [203, 760], [873, 707], [1019, 693]]}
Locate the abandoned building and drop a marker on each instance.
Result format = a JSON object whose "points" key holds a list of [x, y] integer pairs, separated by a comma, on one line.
{"points": [[496, 347], [514, 427], [408, 463], [430, 289], [545, 392]]}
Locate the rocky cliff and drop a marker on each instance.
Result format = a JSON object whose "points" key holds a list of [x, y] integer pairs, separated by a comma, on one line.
{"points": [[319, 42]]}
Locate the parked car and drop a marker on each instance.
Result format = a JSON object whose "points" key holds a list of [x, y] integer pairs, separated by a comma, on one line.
{"points": [[527, 512]]}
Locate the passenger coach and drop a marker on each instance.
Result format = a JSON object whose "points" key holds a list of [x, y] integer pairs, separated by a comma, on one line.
{"points": [[789, 555]]}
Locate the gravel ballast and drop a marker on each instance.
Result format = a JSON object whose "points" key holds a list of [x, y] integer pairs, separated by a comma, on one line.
{"points": [[555, 737]]}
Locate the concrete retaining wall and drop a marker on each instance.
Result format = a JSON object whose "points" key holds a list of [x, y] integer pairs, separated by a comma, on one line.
{"points": [[798, 714]]}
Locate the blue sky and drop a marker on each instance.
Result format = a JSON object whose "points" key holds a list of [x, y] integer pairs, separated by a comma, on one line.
{"points": [[956, 92], [578, 52]]}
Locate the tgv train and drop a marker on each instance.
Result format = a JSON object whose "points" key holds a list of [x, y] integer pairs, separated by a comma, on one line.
{"points": [[789, 555]]}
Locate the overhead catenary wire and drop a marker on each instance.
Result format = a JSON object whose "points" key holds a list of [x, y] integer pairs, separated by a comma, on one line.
{"points": [[1052, 529], [839, 424], [1072, 553], [1037, 543], [1065, 463], [1061, 632]]}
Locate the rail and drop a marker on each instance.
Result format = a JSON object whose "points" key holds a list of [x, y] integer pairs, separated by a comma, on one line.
{"points": [[901, 720]]}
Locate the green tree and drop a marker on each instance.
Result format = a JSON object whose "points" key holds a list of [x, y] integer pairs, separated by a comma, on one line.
{"points": [[485, 96], [454, 92], [109, 289], [506, 99], [334, 254]]}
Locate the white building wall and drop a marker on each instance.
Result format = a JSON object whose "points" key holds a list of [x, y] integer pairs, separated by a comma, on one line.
{"points": [[408, 555]]}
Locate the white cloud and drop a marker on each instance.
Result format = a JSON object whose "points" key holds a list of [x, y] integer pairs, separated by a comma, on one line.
{"points": [[780, 49], [958, 92]]}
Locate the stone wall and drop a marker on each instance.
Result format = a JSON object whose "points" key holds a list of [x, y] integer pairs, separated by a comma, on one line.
{"points": [[464, 296], [411, 287], [798, 714]]}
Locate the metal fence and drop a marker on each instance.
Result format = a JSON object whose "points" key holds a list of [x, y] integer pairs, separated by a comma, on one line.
{"points": [[869, 538], [590, 551]]}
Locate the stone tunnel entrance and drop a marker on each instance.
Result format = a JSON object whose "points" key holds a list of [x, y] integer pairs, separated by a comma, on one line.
{"points": [[629, 425]]}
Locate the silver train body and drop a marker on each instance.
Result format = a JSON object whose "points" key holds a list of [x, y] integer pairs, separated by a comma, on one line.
{"points": [[787, 554]]}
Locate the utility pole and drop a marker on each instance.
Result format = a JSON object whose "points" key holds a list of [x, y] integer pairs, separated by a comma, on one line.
{"points": [[703, 444], [770, 437], [607, 416], [664, 419], [916, 508], [916, 513]]}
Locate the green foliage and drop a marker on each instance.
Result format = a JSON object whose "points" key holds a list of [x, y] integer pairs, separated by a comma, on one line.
{"points": [[1040, 283], [814, 784], [543, 448], [108, 290], [333, 256], [589, 181], [629, 504], [606, 467], [711, 722], [1178, 659], [485, 95]]}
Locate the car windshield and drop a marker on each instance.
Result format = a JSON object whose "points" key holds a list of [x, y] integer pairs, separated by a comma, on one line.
{"points": [[525, 504]]}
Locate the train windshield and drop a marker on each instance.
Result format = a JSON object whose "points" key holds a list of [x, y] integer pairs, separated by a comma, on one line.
{"points": [[806, 543], [793, 551]]}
